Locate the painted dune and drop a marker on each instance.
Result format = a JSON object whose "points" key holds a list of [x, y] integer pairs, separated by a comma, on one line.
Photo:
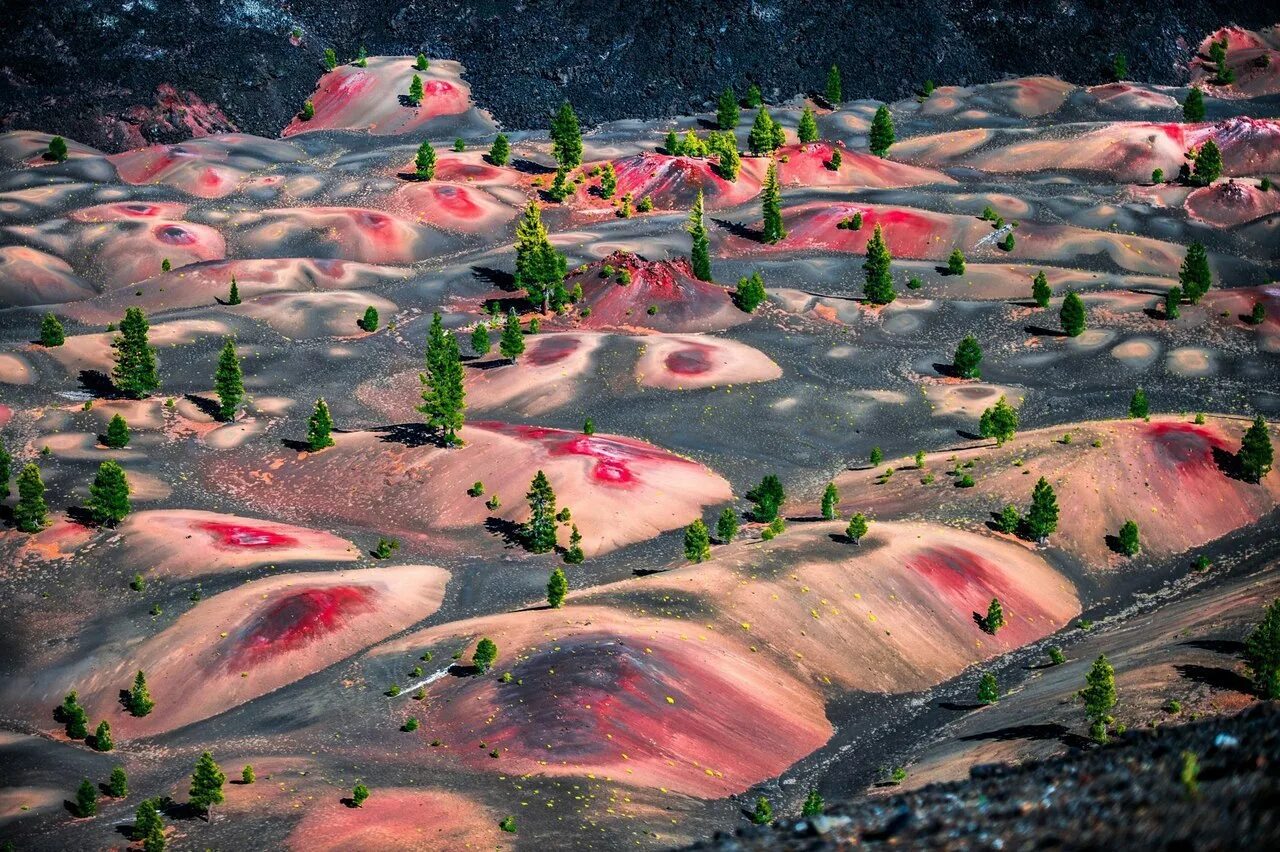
{"points": [[680, 302], [807, 165], [673, 183], [620, 490], [209, 167], [689, 361], [1233, 202], [394, 819], [32, 277], [344, 233]]}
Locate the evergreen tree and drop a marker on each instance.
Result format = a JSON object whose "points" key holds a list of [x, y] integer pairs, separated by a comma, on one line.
{"points": [[836, 159], [485, 654], [1262, 654], [165, 265], [1208, 164], [424, 162], [369, 321], [725, 148], [233, 297], [560, 187], [754, 100], [750, 293], [362, 58], [574, 555], [968, 359], [359, 794], [857, 529], [771, 202], [830, 502], [1000, 421], [761, 138], [727, 113], [834, 91], [988, 689], [135, 370], [118, 783], [421, 63], [228, 381], [700, 253], [146, 820], [500, 153], [320, 427], [608, 180], [330, 59], [807, 131], [74, 717], [1195, 276], [308, 111], [1193, 106], [511, 344], [1010, 519], [247, 775], [879, 287], [557, 588], [1099, 697], [1008, 242], [1258, 314], [1256, 455], [540, 269], [881, 136], [57, 150], [415, 90], [768, 497], [1120, 66], [1172, 298], [697, 542], [1138, 406], [1130, 544], [566, 138], [727, 525], [779, 135], [117, 436], [108, 501], [51, 331], [540, 529], [86, 799], [994, 619], [206, 785], [31, 513], [1072, 314], [102, 737], [671, 145], [1042, 517], [6, 471], [443, 394], [955, 262], [813, 804], [140, 703], [480, 342], [763, 813]]}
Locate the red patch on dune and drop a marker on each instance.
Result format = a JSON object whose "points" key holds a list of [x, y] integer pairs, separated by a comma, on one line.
{"points": [[240, 535], [456, 201], [552, 350], [675, 181], [614, 456], [1185, 446], [693, 361], [450, 169], [908, 233], [298, 619], [969, 582], [682, 302], [174, 235]]}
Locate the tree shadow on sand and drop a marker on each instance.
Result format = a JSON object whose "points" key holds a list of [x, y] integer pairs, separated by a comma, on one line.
{"points": [[98, 383], [411, 435], [1229, 464], [1043, 732], [1041, 331], [206, 405], [747, 233], [1230, 647], [510, 532], [497, 277], [1216, 677]]}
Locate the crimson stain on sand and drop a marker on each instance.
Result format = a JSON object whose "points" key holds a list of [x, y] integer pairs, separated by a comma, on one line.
{"points": [[174, 235], [552, 350], [690, 361], [243, 535], [969, 582], [614, 456], [1185, 446], [299, 619]]}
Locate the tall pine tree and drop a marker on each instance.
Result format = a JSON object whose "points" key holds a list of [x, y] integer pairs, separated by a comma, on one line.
{"points": [[540, 269], [881, 135], [727, 112], [1195, 275], [135, 370], [511, 344], [228, 381], [1072, 314], [320, 427], [109, 495], [31, 513], [540, 529], [771, 204], [700, 253], [1042, 517], [443, 394], [206, 785], [1256, 454], [807, 130], [879, 287], [834, 91], [566, 138]]}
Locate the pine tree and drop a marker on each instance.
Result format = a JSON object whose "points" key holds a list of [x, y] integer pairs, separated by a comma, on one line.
{"points": [[511, 344], [1000, 421], [763, 813], [750, 293], [228, 381], [102, 737], [768, 497], [754, 100], [31, 513], [51, 331], [74, 717], [118, 783], [308, 110], [988, 689], [879, 287], [415, 90], [968, 358], [108, 501], [574, 555], [540, 529], [566, 138], [834, 91], [1099, 697], [6, 471], [697, 542], [1120, 66], [1193, 106], [540, 269], [1208, 164], [1072, 314], [700, 253], [320, 427], [421, 63], [1130, 544], [500, 153], [1008, 242], [1256, 454], [86, 799], [557, 588], [830, 501], [727, 525], [57, 150], [807, 131], [813, 804], [994, 619], [1042, 517], [206, 785], [362, 58], [359, 793], [881, 136], [1138, 406], [140, 703], [146, 819], [117, 436], [1262, 653], [1172, 298], [424, 162], [761, 138], [727, 113], [857, 529], [233, 297], [247, 775], [369, 320], [771, 202], [671, 145], [608, 180], [955, 262], [330, 59], [836, 160], [1040, 290], [779, 135], [135, 370], [1195, 276], [480, 343], [485, 654], [443, 393]]}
